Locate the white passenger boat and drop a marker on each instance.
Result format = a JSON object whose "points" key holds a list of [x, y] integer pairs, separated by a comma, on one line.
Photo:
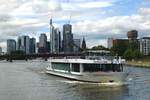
{"points": [[88, 70]]}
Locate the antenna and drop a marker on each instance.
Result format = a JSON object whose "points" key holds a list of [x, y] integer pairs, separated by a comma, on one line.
{"points": [[69, 20], [51, 22]]}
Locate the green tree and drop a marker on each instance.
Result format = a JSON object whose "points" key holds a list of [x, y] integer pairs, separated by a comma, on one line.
{"points": [[128, 54], [137, 54], [119, 48], [99, 47], [18, 52], [132, 45]]}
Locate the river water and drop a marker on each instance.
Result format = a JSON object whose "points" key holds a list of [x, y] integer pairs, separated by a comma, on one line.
{"points": [[21, 80]]}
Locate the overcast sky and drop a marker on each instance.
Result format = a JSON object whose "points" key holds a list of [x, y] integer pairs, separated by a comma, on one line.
{"points": [[94, 19]]}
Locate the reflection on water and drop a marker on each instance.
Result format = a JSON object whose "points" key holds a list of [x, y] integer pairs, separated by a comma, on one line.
{"points": [[22, 80]]}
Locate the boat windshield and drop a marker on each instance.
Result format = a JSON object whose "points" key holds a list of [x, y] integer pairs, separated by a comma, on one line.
{"points": [[102, 67]]}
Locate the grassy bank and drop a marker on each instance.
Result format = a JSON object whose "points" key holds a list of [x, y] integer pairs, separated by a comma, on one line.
{"points": [[142, 62]]}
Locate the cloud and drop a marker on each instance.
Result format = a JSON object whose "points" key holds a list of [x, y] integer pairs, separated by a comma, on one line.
{"points": [[95, 4], [55, 5], [116, 26], [90, 17]]}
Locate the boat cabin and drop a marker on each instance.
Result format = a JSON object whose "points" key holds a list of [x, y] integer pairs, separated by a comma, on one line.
{"points": [[86, 67]]}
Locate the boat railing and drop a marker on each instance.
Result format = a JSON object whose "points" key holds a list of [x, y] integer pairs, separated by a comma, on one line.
{"points": [[115, 60]]}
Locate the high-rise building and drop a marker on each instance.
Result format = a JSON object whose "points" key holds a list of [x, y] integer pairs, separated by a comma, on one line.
{"points": [[0, 49], [52, 37], [42, 43], [67, 38], [145, 45], [57, 43], [18, 43], [11, 46], [48, 47], [76, 47], [42, 40], [37, 47], [109, 43], [25, 44], [32, 45], [55, 39]]}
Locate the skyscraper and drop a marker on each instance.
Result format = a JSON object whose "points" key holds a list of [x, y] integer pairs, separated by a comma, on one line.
{"points": [[109, 43], [11, 46], [67, 38], [25, 41], [18, 43], [55, 39], [52, 37], [0, 49], [48, 47], [76, 46], [42, 40], [32, 45], [42, 43], [57, 43]]}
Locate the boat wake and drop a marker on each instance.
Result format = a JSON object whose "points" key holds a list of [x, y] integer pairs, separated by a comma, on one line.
{"points": [[99, 84]]}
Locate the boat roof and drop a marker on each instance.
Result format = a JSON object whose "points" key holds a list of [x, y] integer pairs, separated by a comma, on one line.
{"points": [[84, 61]]}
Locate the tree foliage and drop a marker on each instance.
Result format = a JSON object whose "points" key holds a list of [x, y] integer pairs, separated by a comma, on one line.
{"points": [[118, 49], [99, 47], [18, 52], [137, 54], [129, 50], [128, 54]]}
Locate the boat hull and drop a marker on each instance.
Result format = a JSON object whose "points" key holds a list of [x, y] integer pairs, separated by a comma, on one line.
{"points": [[96, 77]]}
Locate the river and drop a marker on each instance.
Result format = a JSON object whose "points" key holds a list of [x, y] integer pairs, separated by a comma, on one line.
{"points": [[21, 80]]}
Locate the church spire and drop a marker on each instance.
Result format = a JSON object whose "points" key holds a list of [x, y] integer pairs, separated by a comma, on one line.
{"points": [[83, 44]]}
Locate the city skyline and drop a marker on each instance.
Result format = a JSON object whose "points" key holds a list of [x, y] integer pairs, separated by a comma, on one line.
{"points": [[96, 19]]}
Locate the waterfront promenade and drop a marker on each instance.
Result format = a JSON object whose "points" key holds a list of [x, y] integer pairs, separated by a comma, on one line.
{"points": [[142, 62]]}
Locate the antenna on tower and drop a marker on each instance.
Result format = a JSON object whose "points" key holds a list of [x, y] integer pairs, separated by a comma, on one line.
{"points": [[69, 20], [51, 22]]}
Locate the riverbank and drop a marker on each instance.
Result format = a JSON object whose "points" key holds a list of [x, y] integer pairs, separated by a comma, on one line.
{"points": [[143, 62]]}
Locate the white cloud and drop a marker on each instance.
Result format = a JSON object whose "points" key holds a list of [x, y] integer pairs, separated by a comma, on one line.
{"points": [[95, 4], [28, 16]]}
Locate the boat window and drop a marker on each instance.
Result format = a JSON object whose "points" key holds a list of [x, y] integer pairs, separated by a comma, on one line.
{"points": [[76, 67], [91, 67], [101, 67], [61, 66]]}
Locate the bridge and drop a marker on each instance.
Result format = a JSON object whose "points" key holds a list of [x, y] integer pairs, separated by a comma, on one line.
{"points": [[34, 56]]}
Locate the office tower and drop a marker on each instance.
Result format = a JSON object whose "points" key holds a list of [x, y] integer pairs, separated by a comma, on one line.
{"points": [[52, 37], [57, 43], [37, 47], [145, 45], [42, 40], [32, 45], [18, 43], [11, 46], [76, 47], [0, 49], [67, 38], [55, 39], [60, 42], [109, 43], [42, 43], [25, 44], [84, 44], [48, 47]]}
